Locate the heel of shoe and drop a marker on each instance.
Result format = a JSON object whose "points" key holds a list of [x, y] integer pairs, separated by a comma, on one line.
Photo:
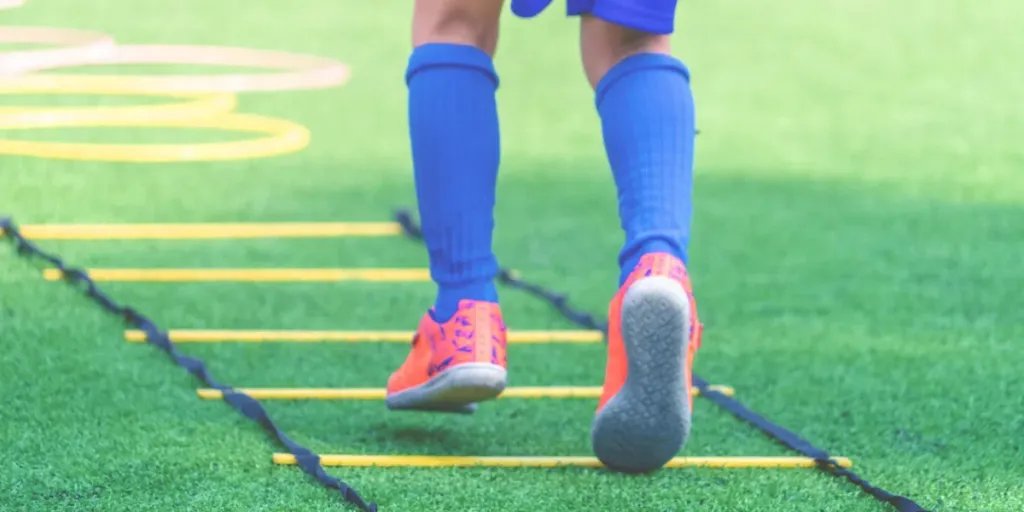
{"points": [[648, 421]]}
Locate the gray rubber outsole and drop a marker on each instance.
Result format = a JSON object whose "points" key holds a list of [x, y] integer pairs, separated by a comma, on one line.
{"points": [[648, 421], [457, 389]]}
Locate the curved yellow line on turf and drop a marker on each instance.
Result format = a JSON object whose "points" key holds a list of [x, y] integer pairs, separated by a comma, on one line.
{"points": [[381, 393], [210, 111], [22, 117], [433, 461], [283, 137], [291, 71], [297, 336]]}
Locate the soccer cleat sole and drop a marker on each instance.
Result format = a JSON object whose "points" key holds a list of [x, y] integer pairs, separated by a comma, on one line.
{"points": [[457, 389], [648, 421]]}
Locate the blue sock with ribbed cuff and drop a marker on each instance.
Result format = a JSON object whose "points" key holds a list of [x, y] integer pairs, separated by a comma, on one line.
{"points": [[647, 119], [453, 129]]}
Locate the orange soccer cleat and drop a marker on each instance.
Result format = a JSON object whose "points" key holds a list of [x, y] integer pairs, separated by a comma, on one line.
{"points": [[453, 365], [643, 417]]}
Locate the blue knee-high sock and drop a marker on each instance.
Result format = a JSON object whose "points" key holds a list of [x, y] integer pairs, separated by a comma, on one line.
{"points": [[453, 128], [647, 118]]}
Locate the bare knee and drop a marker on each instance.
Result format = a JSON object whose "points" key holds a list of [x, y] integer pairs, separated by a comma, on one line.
{"points": [[469, 22], [604, 44]]}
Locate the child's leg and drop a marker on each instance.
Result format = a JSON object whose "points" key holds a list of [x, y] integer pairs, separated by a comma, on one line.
{"points": [[458, 356], [453, 128], [647, 117]]}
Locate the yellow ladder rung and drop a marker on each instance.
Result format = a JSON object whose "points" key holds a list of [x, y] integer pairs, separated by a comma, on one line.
{"points": [[381, 393], [304, 336], [433, 461], [208, 230], [252, 275]]}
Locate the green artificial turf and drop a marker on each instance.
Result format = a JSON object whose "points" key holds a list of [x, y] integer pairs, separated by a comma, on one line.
{"points": [[856, 255]]}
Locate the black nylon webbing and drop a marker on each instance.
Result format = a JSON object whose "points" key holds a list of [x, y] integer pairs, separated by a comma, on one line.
{"points": [[244, 404], [309, 462]]}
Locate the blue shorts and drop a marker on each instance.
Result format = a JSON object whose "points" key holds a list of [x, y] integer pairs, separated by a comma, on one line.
{"points": [[653, 16]]}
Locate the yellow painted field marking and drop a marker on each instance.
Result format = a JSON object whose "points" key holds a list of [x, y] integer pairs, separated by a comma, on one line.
{"points": [[282, 137]]}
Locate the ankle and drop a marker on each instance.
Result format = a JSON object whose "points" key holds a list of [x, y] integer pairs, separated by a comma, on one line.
{"points": [[631, 256], [449, 297]]}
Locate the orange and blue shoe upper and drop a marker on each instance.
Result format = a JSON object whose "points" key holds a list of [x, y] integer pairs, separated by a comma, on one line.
{"points": [[475, 334], [654, 264]]}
